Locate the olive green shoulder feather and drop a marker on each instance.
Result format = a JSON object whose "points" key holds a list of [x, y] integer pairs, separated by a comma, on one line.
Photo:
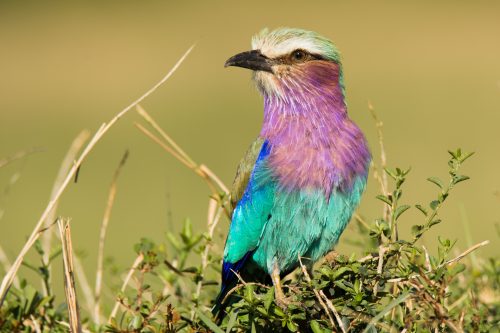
{"points": [[244, 171]]}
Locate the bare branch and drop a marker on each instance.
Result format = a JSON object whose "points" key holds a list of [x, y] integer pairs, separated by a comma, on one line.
{"points": [[318, 296]]}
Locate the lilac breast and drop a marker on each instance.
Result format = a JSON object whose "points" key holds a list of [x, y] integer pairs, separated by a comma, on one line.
{"points": [[313, 142]]}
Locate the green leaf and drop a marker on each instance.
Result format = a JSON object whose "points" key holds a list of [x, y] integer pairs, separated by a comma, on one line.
{"points": [[249, 295], [442, 197], [459, 178], [291, 326], [173, 240], [416, 229], [457, 269], [400, 210], [391, 173], [39, 248], [388, 308], [193, 270], [187, 233], [434, 222], [268, 298], [422, 209], [315, 327], [436, 181], [385, 199], [339, 272], [434, 204], [466, 156], [232, 321], [137, 322], [210, 324]]}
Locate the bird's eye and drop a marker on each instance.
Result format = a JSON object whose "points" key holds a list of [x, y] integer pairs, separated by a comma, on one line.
{"points": [[298, 55]]}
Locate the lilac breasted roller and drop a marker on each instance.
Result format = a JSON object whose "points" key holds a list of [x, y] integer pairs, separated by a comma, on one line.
{"points": [[301, 179]]}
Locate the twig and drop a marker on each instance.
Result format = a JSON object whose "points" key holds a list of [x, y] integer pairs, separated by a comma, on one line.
{"points": [[446, 263], [381, 251], [102, 238], [318, 296], [214, 214], [240, 285], [66, 164], [213, 176], [427, 259], [36, 324], [7, 280], [453, 327], [65, 324], [130, 273], [366, 258], [69, 279], [332, 308], [463, 254]]}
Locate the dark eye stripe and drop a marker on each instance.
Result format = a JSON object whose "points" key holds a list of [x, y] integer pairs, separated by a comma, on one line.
{"points": [[286, 59], [317, 56]]}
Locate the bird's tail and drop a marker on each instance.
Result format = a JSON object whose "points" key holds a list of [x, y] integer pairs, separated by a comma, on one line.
{"points": [[221, 303]]}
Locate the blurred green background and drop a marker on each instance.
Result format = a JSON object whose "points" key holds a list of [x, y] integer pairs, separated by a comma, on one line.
{"points": [[431, 69]]}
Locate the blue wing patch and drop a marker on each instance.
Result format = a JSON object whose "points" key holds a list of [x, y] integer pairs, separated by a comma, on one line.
{"points": [[249, 219]]}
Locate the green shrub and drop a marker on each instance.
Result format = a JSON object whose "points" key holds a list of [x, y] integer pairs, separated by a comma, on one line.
{"points": [[398, 286]]}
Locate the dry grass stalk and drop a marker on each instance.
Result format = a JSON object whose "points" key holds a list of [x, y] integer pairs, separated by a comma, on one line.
{"points": [[130, 273], [215, 184], [4, 260], [102, 238], [214, 214], [66, 164], [103, 129], [165, 136], [83, 283], [19, 155], [69, 278], [379, 173]]}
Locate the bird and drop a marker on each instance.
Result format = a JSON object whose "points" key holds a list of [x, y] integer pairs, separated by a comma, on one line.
{"points": [[300, 181]]}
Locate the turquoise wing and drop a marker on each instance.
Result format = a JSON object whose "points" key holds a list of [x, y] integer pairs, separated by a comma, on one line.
{"points": [[250, 215]]}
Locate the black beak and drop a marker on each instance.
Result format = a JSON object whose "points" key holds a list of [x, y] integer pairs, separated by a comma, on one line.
{"points": [[251, 60]]}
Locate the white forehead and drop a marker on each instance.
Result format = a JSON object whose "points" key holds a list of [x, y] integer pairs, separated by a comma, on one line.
{"points": [[284, 41]]}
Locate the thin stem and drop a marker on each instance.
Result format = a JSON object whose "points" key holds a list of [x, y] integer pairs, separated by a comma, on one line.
{"points": [[102, 239], [7, 280], [66, 164], [130, 273]]}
